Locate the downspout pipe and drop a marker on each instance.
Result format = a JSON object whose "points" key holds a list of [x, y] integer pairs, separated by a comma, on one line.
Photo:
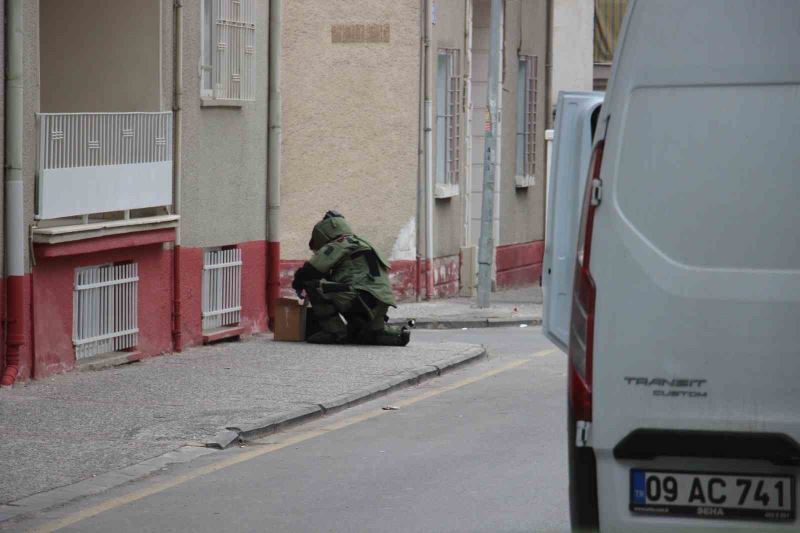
{"points": [[14, 213], [177, 104], [548, 101], [420, 208], [274, 143], [428, 130], [467, 239], [548, 68]]}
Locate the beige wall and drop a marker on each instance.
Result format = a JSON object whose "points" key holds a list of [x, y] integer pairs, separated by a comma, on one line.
{"points": [[167, 56], [522, 209], [30, 77], [2, 143], [224, 150], [100, 55], [573, 29], [350, 116]]}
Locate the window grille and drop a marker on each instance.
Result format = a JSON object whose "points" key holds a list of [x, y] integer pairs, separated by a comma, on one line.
{"points": [[222, 288], [448, 117], [105, 314], [228, 62], [527, 96]]}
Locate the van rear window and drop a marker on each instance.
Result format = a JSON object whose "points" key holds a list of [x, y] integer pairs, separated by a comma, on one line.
{"points": [[710, 175]]}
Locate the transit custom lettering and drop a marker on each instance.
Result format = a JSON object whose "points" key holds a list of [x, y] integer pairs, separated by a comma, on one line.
{"points": [[671, 388]]}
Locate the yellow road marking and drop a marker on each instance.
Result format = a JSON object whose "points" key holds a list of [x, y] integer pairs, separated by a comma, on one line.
{"points": [[136, 495], [545, 352]]}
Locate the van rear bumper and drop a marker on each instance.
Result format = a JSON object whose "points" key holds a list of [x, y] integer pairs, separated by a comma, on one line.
{"points": [[648, 444]]}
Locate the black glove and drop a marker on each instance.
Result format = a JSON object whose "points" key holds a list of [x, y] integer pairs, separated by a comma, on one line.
{"points": [[304, 278], [298, 288]]}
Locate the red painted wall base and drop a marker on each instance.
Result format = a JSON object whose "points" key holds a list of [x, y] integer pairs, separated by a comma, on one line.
{"points": [[254, 291], [53, 280], [48, 291], [519, 264], [16, 345], [48, 298]]}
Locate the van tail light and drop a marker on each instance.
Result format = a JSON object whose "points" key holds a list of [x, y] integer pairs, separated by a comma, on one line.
{"points": [[581, 335]]}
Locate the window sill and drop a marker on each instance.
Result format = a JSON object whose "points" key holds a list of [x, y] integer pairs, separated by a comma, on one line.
{"points": [[77, 232], [108, 360], [225, 332], [445, 190], [219, 102], [522, 182]]}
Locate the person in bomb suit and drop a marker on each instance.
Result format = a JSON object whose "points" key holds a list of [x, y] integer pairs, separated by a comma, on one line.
{"points": [[346, 277]]}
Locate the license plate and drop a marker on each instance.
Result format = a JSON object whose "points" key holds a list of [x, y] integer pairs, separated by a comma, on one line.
{"points": [[713, 495]]}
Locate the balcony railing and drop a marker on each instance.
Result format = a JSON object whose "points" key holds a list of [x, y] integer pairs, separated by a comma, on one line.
{"points": [[103, 162]]}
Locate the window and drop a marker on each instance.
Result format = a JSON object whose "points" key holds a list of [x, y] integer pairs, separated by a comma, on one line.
{"points": [[448, 121], [527, 95], [105, 314], [227, 60]]}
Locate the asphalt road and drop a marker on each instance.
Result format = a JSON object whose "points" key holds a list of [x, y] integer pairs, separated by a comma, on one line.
{"points": [[479, 449]]}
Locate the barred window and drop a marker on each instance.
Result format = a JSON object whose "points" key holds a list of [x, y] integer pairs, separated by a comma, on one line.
{"points": [[105, 316], [222, 287], [527, 95], [227, 61], [448, 117]]}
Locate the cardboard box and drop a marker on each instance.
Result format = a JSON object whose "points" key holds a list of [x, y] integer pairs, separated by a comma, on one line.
{"points": [[290, 320]]}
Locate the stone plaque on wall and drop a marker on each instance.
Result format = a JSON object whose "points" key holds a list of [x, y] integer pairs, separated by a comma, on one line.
{"points": [[359, 33]]}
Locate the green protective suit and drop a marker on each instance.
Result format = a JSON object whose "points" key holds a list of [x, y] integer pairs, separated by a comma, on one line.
{"points": [[353, 282], [350, 260]]}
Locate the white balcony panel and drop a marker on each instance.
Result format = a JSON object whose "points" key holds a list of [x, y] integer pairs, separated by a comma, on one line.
{"points": [[100, 162], [74, 191]]}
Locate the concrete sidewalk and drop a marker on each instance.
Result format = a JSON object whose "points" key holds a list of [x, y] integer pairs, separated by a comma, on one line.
{"points": [[103, 428], [508, 308]]}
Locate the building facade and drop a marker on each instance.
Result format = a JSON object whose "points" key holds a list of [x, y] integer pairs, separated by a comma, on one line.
{"points": [[573, 42], [354, 137], [150, 205], [142, 206]]}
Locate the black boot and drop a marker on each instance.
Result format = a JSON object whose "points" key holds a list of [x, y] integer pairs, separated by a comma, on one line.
{"points": [[326, 337], [393, 336]]}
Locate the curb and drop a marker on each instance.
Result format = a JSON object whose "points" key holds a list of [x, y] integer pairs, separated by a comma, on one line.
{"points": [[269, 425], [461, 323], [95, 485], [231, 435]]}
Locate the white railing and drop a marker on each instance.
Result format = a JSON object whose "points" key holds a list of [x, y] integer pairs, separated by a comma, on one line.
{"points": [[222, 288], [100, 162], [105, 317]]}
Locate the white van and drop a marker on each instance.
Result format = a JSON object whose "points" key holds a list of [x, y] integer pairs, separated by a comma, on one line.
{"points": [[684, 332]]}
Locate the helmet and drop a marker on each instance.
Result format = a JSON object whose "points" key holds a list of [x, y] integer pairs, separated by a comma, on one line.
{"points": [[331, 227]]}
